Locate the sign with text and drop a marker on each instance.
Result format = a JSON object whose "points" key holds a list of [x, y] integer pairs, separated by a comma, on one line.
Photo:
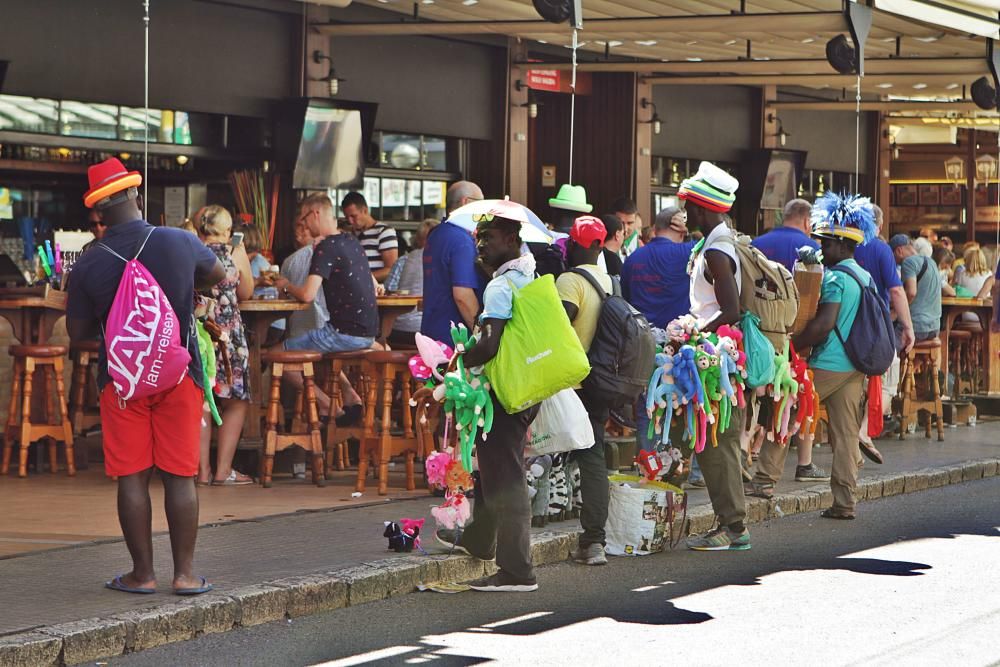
{"points": [[544, 79]]}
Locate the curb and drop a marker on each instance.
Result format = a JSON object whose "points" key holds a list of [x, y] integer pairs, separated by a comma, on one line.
{"points": [[92, 639]]}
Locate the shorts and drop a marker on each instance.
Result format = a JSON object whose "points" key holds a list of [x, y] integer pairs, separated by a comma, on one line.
{"points": [[327, 339], [162, 430]]}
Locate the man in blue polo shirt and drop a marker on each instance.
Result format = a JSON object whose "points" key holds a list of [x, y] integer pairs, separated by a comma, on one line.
{"points": [[654, 277], [782, 244], [452, 285], [655, 281], [877, 259]]}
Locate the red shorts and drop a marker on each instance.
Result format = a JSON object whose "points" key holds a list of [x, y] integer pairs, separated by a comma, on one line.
{"points": [[162, 430]]}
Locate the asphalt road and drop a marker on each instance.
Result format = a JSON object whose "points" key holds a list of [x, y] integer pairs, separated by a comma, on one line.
{"points": [[914, 580]]}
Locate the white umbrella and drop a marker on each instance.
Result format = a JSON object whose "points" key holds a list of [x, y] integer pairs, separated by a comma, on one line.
{"points": [[533, 230]]}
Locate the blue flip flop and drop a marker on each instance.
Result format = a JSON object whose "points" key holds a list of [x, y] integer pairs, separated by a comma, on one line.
{"points": [[117, 584], [204, 588]]}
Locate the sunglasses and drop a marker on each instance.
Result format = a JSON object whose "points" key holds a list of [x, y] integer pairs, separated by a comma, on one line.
{"points": [[483, 217]]}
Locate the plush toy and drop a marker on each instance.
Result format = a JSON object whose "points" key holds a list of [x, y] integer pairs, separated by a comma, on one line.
{"points": [[453, 513], [466, 399], [806, 411], [456, 478], [403, 536], [686, 375], [784, 391], [559, 492], [662, 390], [734, 334], [649, 464], [436, 466]]}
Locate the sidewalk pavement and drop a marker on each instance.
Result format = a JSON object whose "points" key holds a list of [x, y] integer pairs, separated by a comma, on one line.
{"points": [[55, 610]]}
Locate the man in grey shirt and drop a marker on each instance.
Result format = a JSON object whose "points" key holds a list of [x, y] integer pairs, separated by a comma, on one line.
{"points": [[296, 269], [922, 284]]}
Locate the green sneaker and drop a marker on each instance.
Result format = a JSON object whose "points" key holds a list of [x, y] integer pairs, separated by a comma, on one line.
{"points": [[720, 539]]}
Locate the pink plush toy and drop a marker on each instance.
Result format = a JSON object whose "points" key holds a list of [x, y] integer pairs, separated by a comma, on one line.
{"points": [[453, 512], [437, 467], [431, 355], [411, 527]]}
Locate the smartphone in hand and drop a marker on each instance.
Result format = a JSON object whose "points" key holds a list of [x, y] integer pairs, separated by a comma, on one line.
{"points": [[237, 239]]}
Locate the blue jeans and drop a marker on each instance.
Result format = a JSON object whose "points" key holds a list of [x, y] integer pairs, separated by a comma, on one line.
{"points": [[328, 339]]}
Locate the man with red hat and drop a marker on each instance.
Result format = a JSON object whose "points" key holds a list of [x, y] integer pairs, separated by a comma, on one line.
{"points": [[162, 430], [583, 305]]}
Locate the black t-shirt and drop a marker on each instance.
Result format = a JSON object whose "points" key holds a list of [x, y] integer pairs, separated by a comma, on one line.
{"points": [[174, 257], [347, 285], [614, 262]]}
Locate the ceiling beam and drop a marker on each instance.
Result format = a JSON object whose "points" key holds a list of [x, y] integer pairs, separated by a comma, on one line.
{"points": [[797, 66], [886, 106], [815, 80], [734, 24]]}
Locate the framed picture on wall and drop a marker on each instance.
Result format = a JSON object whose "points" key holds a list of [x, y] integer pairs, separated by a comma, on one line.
{"points": [[951, 195], [982, 195], [930, 195], [906, 195]]}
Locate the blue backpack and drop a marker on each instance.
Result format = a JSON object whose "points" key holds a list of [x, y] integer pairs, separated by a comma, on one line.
{"points": [[871, 342]]}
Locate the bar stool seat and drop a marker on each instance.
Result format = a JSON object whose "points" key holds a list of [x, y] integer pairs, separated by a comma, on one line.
{"points": [[353, 363], [48, 359], [923, 359], [84, 400], [379, 443], [308, 436]]}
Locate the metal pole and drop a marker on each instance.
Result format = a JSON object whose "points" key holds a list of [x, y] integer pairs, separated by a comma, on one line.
{"points": [[145, 133], [572, 108]]}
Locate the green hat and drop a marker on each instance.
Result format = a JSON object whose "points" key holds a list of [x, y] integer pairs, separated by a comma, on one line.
{"points": [[571, 198]]}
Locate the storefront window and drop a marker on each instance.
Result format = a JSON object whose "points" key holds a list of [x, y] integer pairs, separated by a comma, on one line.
{"points": [[400, 151], [28, 114], [435, 154], [81, 119]]}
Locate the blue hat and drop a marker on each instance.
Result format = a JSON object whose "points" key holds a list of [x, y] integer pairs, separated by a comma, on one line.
{"points": [[899, 240]]}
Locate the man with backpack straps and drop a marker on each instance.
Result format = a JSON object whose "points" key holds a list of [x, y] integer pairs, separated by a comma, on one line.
{"points": [[851, 336], [716, 284], [620, 348], [149, 419], [922, 284]]}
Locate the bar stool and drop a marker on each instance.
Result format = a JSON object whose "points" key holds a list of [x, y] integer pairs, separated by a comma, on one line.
{"points": [[353, 364], [84, 413], [301, 362], [48, 358], [923, 359], [971, 360], [384, 368]]}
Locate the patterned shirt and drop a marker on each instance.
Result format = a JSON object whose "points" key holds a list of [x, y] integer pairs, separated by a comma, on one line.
{"points": [[375, 240], [347, 284]]}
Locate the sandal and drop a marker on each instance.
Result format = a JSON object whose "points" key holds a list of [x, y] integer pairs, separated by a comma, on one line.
{"points": [[830, 514], [234, 479]]}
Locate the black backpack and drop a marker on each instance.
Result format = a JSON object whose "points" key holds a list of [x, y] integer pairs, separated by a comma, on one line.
{"points": [[622, 353], [871, 342]]}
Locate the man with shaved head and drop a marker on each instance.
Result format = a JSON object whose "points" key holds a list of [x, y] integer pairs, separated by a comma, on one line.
{"points": [[452, 286]]}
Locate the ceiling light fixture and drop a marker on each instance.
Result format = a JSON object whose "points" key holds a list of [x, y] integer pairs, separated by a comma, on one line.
{"points": [[808, 40], [883, 85], [919, 86], [469, 3], [646, 42]]}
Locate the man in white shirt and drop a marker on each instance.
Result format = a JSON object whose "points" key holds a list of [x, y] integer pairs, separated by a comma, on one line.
{"points": [[715, 300]]}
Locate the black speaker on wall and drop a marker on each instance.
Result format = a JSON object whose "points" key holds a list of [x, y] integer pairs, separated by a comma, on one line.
{"points": [[560, 11], [983, 93], [840, 54]]}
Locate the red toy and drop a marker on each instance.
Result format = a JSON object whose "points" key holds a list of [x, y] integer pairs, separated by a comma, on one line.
{"points": [[806, 396], [875, 421], [650, 465]]}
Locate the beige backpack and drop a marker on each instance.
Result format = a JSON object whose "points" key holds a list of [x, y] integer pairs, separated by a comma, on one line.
{"points": [[767, 290]]}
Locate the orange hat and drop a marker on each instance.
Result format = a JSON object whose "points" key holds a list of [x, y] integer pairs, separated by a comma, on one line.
{"points": [[109, 178], [586, 229]]}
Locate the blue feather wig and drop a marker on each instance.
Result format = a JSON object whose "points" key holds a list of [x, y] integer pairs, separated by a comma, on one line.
{"points": [[844, 216]]}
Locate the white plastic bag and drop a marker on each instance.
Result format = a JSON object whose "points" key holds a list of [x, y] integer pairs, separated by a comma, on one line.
{"points": [[562, 425], [640, 515]]}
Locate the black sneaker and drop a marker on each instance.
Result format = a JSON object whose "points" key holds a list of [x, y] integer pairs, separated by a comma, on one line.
{"points": [[811, 473], [452, 540], [501, 582]]}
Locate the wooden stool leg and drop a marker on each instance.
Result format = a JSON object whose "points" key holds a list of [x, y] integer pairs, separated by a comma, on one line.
{"points": [[9, 435], [385, 439], [368, 438], [907, 399], [411, 483], [77, 392], [407, 410], [29, 369], [938, 409], [333, 391], [67, 424], [271, 437], [315, 440]]}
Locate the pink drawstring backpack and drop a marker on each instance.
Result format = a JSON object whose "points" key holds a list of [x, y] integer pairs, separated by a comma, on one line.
{"points": [[142, 334]]}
